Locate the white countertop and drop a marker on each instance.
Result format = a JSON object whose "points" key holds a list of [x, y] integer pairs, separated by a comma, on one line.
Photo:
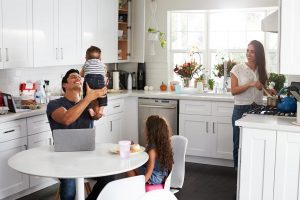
{"points": [[134, 93], [269, 122]]}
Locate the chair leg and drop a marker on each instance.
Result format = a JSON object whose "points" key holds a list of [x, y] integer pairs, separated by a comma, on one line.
{"points": [[57, 194], [88, 188]]}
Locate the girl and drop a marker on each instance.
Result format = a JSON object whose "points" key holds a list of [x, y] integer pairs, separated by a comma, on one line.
{"points": [[159, 150]]}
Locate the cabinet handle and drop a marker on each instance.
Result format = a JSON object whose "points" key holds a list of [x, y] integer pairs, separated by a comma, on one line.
{"points": [[117, 106], [213, 127], [50, 141], [25, 145], [110, 126], [56, 53], [206, 127], [6, 51], [0, 54], [61, 53], [9, 131]]}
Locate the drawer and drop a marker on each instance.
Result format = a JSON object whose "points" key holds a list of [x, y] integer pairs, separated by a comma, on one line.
{"points": [[195, 107], [222, 109], [37, 124], [114, 106], [12, 130], [40, 139]]}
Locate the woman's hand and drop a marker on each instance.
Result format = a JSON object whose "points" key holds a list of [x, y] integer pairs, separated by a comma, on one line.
{"points": [[256, 84]]}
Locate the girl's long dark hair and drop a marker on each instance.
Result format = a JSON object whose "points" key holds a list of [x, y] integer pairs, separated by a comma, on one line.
{"points": [[158, 134], [260, 60]]}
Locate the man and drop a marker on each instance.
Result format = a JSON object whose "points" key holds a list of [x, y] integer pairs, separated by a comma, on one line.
{"points": [[71, 112]]}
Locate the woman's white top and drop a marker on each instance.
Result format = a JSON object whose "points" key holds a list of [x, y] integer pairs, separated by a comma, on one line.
{"points": [[246, 75]]}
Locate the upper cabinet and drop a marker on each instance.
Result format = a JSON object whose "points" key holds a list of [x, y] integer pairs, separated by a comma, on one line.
{"points": [[289, 37], [99, 28], [131, 31], [56, 32], [16, 34]]}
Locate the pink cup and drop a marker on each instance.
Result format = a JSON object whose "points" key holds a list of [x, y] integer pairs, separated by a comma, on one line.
{"points": [[124, 146]]}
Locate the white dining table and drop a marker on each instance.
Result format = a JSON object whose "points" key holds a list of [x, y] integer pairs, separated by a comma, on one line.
{"points": [[44, 161]]}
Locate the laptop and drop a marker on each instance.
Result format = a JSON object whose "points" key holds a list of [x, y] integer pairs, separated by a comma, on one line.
{"points": [[10, 103], [69, 140]]}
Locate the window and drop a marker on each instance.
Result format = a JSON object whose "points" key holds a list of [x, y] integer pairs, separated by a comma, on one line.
{"points": [[217, 34]]}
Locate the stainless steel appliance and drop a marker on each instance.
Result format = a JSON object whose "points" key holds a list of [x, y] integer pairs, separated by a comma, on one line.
{"points": [[163, 107]]}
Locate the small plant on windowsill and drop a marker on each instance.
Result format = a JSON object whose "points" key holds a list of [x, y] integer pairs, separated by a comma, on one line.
{"points": [[154, 34]]}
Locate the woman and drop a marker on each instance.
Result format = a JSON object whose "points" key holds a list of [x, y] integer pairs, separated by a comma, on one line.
{"points": [[247, 81]]}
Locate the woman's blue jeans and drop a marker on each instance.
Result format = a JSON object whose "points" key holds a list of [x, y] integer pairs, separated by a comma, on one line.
{"points": [[237, 114]]}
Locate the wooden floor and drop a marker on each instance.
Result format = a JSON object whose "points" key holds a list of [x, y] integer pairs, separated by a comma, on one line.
{"points": [[202, 182]]}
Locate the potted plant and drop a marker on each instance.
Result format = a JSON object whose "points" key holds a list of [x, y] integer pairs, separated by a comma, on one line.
{"points": [[278, 79], [219, 68], [154, 34]]}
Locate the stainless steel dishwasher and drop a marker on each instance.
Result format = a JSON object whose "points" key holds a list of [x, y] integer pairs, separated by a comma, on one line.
{"points": [[163, 107]]}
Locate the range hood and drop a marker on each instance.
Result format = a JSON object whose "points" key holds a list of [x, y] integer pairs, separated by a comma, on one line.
{"points": [[270, 23]]}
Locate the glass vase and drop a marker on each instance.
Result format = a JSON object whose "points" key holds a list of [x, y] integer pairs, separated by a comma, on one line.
{"points": [[186, 82]]}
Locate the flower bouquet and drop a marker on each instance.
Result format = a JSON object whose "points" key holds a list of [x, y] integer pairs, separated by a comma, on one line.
{"points": [[187, 70]]}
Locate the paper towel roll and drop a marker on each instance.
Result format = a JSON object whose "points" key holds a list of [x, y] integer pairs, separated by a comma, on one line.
{"points": [[298, 112], [116, 81]]}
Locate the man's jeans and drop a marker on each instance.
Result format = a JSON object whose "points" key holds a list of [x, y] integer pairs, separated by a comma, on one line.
{"points": [[68, 188], [237, 114]]}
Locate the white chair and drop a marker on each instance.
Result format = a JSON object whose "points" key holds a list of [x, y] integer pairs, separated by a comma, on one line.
{"points": [[132, 188], [158, 195], [179, 145]]}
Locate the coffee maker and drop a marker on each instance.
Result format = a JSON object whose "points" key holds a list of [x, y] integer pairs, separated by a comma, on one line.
{"points": [[141, 76]]}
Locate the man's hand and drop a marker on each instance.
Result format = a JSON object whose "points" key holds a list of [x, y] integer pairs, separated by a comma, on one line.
{"points": [[94, 94]]}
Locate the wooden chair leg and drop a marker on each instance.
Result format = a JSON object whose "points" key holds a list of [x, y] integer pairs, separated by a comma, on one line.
{"points": [[57, 194], [88, 188]]}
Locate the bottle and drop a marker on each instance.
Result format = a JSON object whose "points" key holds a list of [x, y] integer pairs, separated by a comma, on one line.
{"points": [[133, 80], [40, 95], [129, 82]]}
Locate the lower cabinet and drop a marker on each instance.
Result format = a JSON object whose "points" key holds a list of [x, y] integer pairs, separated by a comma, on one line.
{"points": [[11, 181], [208, 128], [269, 165], [40, 139], [109, 128]]}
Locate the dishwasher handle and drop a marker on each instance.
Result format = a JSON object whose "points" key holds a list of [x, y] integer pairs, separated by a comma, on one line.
{"points": [[153, 106]]}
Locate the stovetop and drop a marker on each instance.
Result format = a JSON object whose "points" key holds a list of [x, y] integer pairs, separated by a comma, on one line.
{"points": [[267, 110]]}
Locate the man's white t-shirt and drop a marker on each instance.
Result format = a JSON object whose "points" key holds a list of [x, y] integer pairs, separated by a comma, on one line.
{"points": [[246, 75]]}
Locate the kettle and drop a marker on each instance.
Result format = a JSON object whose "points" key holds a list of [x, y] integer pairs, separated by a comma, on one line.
{"points": [[287, 104]]}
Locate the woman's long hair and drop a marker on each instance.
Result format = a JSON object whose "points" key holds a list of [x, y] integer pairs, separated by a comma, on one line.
{"points": [[260, 60], [158, 134]]}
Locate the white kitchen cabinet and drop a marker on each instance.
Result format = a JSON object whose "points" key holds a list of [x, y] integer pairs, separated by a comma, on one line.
{"points": [[16, 33], [11, 181], [131, 46], [257, 161], [110, 128], [56, 32], [289, 37], [207, 126], [287, 175], [99, 28], [39, 134]]}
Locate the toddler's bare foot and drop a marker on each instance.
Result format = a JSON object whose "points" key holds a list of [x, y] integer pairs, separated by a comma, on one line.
{"points": [[92, 112]]}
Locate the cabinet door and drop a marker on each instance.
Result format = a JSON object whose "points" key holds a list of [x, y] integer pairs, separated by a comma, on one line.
{"points": [[69, 31], [137, 39], [40, 139], [17, 33], [45, 47], [102, 130], [11, 181], [289, 37], [196, 129], [90, 25], [108, 30], [221, 132], [115, 123], [257, 164], [287, 166]]}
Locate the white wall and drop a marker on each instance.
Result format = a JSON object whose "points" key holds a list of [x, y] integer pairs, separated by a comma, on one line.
{"points": [[157, 66]]}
